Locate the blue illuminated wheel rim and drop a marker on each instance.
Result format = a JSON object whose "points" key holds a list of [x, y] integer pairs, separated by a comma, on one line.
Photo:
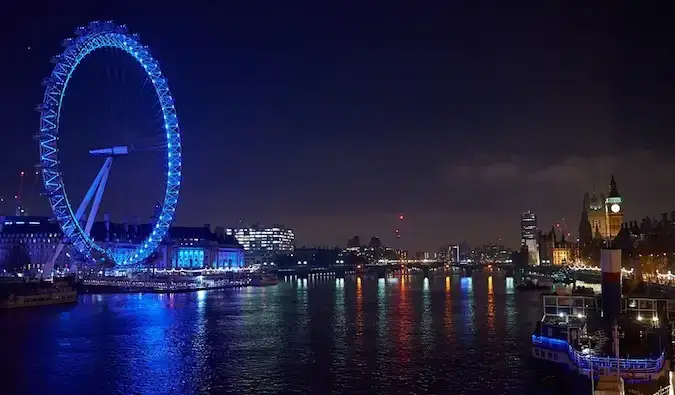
{"points": [[89, 39]]}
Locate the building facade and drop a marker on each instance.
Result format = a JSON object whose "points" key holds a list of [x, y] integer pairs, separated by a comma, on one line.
{"points": [[529, 236], [184, 247], [563, 255], [613, 210], [261, 245], [490, 253], [604, 215], [597, 216], [556, 250], [35, 237], [198, 248]]}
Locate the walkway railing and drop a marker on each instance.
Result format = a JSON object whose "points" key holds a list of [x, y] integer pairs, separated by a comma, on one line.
{"points": [[583, 361]]}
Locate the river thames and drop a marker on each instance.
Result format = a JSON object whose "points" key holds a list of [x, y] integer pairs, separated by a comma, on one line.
{"points": [[400, 335]]}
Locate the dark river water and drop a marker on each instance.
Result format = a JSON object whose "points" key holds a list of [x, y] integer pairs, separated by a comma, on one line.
{"points": [[405, 335]]}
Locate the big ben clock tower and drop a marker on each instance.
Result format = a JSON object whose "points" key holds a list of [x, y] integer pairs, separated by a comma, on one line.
{"points": [[613, 210]]}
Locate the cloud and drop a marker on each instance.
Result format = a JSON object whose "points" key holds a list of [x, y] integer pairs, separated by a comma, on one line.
{"points": [[639, 167], [503, 187]]}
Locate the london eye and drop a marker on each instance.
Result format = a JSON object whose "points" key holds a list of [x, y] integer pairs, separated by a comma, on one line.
{"points": [[75, 224]]}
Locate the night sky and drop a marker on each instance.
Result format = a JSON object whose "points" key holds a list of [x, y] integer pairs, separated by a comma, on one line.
{"points": [[334, 117]]}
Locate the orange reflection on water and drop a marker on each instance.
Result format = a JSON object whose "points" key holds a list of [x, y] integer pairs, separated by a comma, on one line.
{"points": [[447, 317], [404, 324], [359, 307], [490, 305]]}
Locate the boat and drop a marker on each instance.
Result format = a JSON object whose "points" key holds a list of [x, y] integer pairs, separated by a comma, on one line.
{"points": [[264, 279], [39, 294], [529, 285], [573, 335]]}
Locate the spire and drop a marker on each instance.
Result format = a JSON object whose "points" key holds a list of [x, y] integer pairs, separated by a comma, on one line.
{"points": [[587, 203], [613, 190]]}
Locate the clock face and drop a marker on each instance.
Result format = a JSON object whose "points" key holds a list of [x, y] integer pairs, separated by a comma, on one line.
{"points": [[615, 208]]}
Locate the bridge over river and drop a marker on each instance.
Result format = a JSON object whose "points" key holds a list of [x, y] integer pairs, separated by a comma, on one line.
{"points": [[383, 268]]}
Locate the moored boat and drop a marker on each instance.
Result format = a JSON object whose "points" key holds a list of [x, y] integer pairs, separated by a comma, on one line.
{"points": [[264, 279], [573, 334], [38, 294]]}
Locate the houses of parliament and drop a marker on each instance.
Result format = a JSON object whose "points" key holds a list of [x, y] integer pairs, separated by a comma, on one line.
{"points": [[601, 223], [601, 217]]}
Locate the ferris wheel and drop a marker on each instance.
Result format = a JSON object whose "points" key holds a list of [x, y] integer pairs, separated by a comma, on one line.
{"points": [[76, 231]]}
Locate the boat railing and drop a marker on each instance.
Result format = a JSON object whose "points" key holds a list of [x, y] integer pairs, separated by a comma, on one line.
{"points": [[583, 361], [663, 391]]}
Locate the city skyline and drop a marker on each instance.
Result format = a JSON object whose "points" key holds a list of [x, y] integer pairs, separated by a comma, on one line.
{"points": [[338, 126]]}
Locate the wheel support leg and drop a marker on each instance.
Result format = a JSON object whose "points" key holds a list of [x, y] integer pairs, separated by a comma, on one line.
{"points": [[96, 187]]}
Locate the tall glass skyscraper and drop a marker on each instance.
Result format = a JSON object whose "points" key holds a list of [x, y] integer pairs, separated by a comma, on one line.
{"points": [[529, 232]]}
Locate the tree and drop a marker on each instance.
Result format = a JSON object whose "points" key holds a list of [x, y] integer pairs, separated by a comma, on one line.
{"points": [[16, 259]]}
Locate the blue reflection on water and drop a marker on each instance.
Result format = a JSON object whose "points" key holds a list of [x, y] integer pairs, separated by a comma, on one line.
{"points": [[321, 336]]}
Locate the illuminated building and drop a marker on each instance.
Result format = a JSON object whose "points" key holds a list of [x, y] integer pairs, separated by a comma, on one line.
{"points": [[602, 223], [528, 226], [613, 210], [34, 235], [557, 251], [426, 256], [562, 255], [605, 215], [529, 236], [197, 248], [261, 245], [597, 216], [453, 254], [402, 254], [373, 251], [184, 247], [490, 253]]}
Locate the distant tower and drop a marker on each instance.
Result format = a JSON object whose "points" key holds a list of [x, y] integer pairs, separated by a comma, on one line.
{"points": [[529, 236], [585, 230], [613, 211]]}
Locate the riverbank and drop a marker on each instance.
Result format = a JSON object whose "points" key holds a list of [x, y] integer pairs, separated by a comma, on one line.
{"points": [[132, 288]]}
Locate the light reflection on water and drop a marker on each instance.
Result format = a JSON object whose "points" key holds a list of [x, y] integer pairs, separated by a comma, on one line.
{"points": [[426, 331], [407, 334], [448, 327], [490, 307], [339, 327]]}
